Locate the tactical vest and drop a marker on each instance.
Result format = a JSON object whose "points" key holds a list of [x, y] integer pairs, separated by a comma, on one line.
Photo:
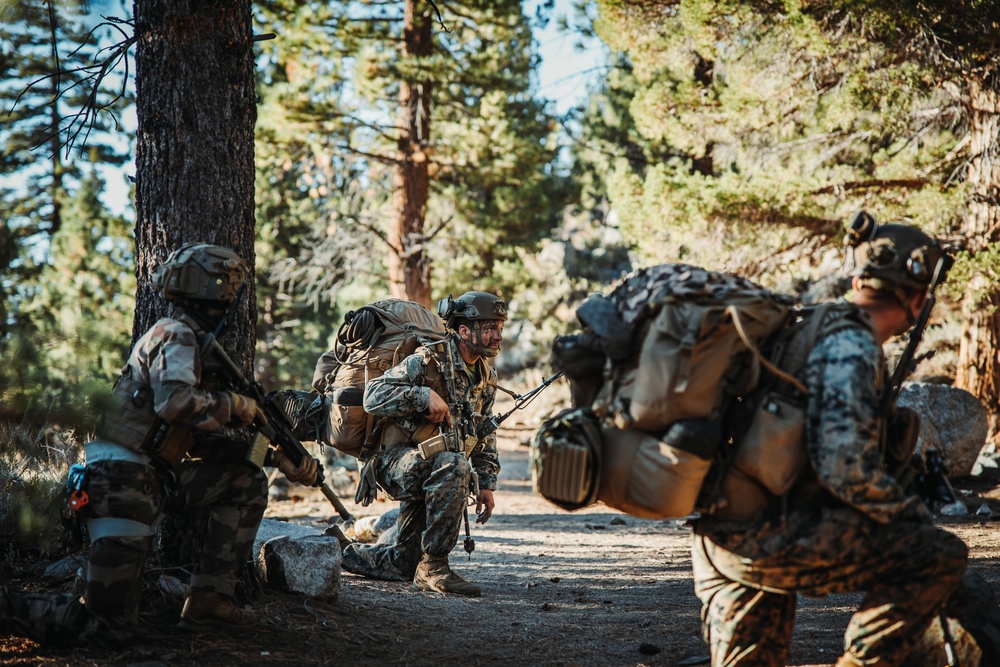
{"points": [[767, 455], [130, 420], [410, 430]]}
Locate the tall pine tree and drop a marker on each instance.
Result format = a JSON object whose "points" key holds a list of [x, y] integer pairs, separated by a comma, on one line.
{"points": [[423, 134]]}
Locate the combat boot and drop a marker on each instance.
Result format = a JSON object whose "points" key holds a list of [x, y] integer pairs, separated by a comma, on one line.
{"points": [[434, 574], [205, 610]]}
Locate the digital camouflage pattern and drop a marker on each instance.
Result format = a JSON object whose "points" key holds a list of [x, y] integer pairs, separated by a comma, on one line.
{"points": [[432, 493], [403, 393], [847, 526], [167, 358], [646, 289]]}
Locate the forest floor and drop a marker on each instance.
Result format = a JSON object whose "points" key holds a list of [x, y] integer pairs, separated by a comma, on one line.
{"points": [[590, 588]]}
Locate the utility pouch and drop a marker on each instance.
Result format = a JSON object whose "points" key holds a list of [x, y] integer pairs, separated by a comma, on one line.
{"points": [[445, 441], [171, 447], [566, 459], [773, 451], [257, 451], [130, 420]]}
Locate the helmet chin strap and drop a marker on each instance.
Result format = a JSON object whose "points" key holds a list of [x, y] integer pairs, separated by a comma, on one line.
{"points": [[478, 348]]}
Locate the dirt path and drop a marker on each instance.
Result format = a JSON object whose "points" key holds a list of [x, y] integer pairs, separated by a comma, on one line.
{"points": [[593, 588]]}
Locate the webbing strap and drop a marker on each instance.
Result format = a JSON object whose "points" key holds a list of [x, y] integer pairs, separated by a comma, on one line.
{"points": [[734, 312], [104, 450], [117, 527]]}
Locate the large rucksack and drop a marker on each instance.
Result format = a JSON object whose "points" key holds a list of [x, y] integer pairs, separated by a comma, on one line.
{"points": [[370, 341], [652, 375]]}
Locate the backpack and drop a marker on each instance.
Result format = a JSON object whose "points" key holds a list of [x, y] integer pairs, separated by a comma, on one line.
{"points": [[675, 344], [370, 341]]}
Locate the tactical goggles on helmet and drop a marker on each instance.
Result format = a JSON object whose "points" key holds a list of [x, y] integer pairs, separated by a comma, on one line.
{"points": [[895, 252]]}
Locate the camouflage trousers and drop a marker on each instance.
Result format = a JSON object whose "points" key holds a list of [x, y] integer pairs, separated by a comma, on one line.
{"points": [[432, 496], [908, 570], [237, 496]]}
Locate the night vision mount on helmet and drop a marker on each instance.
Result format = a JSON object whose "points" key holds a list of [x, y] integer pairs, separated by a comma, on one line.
{"points": [[893, 252], [472, 306], [201, 272]]}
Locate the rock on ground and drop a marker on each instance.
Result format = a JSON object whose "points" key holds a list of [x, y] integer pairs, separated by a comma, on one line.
{"points": [[952, 421]]}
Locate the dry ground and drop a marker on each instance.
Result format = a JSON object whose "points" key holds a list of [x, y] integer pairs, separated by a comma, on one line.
{"points": [[593, 588]]}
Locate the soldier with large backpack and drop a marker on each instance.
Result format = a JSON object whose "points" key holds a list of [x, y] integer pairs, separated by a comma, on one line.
{"points": [[433, 452], [845, 523]]}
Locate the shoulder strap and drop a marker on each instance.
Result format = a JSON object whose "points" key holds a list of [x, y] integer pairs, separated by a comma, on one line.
{"points": [[813, 324]]}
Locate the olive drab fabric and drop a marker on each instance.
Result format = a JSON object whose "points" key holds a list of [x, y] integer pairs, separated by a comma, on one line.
{"points": [[371, 340], [674, 341], [765, 452]]}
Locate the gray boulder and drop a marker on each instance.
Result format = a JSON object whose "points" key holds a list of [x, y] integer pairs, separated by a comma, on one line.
{"points": [[298, 559], [952, 421]]}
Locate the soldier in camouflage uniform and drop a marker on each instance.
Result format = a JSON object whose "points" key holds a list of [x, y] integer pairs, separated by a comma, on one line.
{"points": [[445, 389], [847, 525], [136, 470]]}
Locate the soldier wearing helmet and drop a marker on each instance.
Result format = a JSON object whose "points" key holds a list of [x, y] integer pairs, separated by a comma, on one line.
{"points": [[434, 453], [849, 522], [166, 444]]}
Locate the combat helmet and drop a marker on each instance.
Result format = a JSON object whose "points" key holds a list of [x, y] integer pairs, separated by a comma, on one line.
{"points": [[893, 254], [472, 306], [201, 272]]}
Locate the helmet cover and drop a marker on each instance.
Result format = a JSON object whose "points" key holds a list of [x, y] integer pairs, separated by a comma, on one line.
{"points": [[896, 253], [201, 272]]}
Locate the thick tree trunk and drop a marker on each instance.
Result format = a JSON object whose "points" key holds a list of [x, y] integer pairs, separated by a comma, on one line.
{"points": [[409, 265], [979, 366], [196, 110]]}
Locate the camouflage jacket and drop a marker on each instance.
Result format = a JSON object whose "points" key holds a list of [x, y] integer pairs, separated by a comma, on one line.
{"points": [[166, 358], [845, 374], [403, 393]]}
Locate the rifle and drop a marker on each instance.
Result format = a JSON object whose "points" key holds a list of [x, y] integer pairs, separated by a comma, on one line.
{"points": [[276, 427], [931, 477], [520, 401], [906, 363]]}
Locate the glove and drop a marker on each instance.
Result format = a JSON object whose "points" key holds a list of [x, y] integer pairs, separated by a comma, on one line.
{"points": [[305, 473], [244, 411]]}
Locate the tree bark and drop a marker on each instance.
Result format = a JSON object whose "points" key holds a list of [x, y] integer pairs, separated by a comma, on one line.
{"points": [[979, 365], [196, 110], [409, 264]]}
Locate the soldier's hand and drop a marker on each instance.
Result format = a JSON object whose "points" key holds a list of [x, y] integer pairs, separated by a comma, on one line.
{"points": [[244, 411], [437, 409], [305, 473], [484, 506]]}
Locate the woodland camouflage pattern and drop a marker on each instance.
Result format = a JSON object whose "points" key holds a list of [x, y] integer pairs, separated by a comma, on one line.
{"points": [[167, 358], [432, 494], [848, 527]]}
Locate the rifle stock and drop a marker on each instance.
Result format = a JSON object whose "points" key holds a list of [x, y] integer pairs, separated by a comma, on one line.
{"points": [[276, 428]]}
